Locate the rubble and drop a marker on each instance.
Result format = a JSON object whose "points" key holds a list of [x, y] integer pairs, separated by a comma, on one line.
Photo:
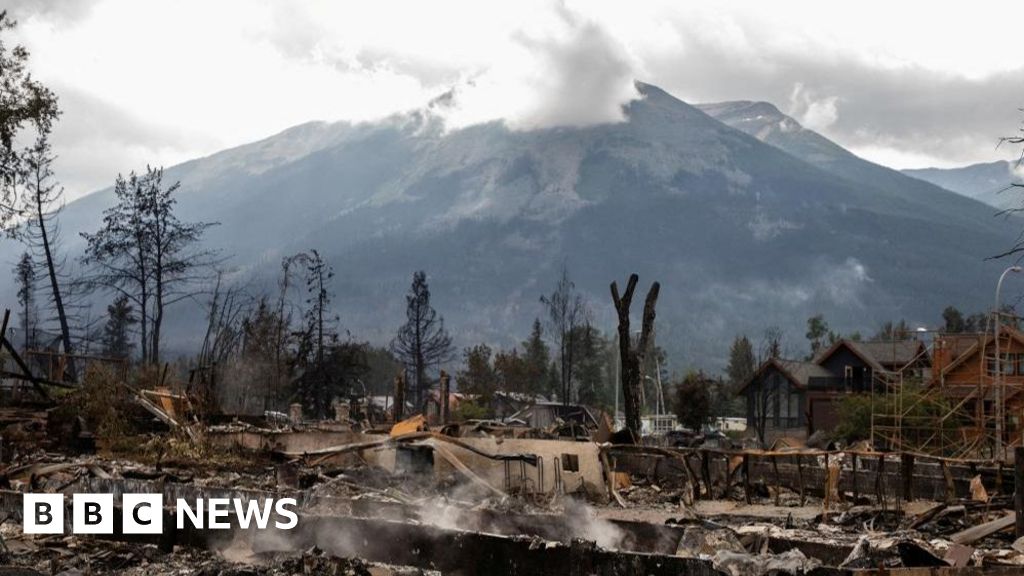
{"points": [[484, 497]]}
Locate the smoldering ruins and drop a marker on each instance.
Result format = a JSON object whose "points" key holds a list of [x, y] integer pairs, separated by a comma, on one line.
{"points": [[554, 488]]}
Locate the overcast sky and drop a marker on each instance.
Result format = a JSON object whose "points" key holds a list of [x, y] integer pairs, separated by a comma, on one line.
{"points": [[906, 84]]}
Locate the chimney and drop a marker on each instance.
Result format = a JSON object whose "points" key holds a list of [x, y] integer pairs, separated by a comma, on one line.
{"points": [[444, 397], [295, 412]]}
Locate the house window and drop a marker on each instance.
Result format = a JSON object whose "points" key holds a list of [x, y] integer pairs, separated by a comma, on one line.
{"points": [[1008, 364], [570, 462]]}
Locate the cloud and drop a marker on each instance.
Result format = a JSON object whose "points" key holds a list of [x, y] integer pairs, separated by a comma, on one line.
{"points": [[814, 113], [96, 140], [575, 75], [186, 78], [893, 112], [55, 11]]}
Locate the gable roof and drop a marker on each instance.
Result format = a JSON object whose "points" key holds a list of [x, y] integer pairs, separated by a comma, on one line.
{"points": [[881, 355], [797, 372], [967, 345]]}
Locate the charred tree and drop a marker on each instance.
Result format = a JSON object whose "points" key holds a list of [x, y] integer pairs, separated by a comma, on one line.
{"points": [[144, 252], [41, 202], [422, 342], [399, 408], [632, 357], [25, 277], [567, 313]]}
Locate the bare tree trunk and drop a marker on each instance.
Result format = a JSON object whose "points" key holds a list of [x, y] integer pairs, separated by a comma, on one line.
{"points": [[58, 301], [421, 378], [158, 321], [444, 408], [399, 409], [632, 358]]}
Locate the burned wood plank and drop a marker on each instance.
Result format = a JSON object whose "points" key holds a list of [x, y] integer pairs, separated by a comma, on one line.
{"points": [[975, 533]]}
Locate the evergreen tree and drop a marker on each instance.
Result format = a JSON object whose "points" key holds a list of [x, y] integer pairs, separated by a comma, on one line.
{"points": [[116, 332], [693, 401], [817, 332], [592, 381], [24, 102], [41, 201], [145, 253], [326, 366], [742, 363], [25, 276], [512, 371], [421, 343], [894, 331], [477, 375], [537, 357]]}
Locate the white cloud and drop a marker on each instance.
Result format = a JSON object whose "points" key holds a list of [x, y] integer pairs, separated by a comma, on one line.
{"points": [[199, 76], [816, 113]]}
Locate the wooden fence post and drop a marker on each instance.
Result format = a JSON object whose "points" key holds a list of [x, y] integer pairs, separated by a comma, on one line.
{"points": [[746, 478], [907, 471], [856, 490]]}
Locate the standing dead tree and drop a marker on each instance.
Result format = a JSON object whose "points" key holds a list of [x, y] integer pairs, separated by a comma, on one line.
{"points": [[632, 358], [567, 313], [41, 203]]}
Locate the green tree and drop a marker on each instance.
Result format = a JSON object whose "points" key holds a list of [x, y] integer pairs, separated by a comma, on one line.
{"points": [[693, 401], [477, 375], [24, 103], [817, 333], [537, 357], [340, 373], [593, 382], [894, 331], [742, 363], [512, 371], [383, 369], [953, 320], [116, 332], [25, 277]]}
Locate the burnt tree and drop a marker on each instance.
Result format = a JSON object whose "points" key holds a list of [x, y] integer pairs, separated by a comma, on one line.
{"points": [[631, 357], [422, 342]]}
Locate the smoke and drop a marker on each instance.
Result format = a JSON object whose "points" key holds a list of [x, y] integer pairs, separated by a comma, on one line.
{"points": [[813, 112], [1016, 172], [585, 524], [573, 75]]}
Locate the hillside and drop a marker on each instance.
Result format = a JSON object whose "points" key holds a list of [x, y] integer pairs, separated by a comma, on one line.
{"points": [[743, 232], [987, 182]]}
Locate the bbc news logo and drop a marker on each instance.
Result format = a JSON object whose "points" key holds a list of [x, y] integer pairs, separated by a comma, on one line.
{"points": [[144, 513]]}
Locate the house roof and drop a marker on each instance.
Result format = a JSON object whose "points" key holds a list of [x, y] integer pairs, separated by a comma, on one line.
{"points": [[797, 372], [967, 345], [879, 354]]}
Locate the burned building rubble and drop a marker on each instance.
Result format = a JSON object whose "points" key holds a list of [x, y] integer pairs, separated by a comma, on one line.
{"points": [[551, 489]]}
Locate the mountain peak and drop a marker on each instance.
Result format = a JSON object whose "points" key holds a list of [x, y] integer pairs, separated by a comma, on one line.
{"points": [[744, 109]]}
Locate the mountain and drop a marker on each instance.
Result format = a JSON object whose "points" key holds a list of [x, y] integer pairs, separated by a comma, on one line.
{"points": [[988, 182], [766, 123], [743, 232]]}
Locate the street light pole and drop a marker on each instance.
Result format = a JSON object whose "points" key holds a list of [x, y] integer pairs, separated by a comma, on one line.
{"points": [[999, 399]]}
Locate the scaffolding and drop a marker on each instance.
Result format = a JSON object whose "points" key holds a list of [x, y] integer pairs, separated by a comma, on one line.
{"points": [[930, 414]]}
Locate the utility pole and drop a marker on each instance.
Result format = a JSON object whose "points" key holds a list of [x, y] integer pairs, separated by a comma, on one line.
{"points": [[998, 384]]}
